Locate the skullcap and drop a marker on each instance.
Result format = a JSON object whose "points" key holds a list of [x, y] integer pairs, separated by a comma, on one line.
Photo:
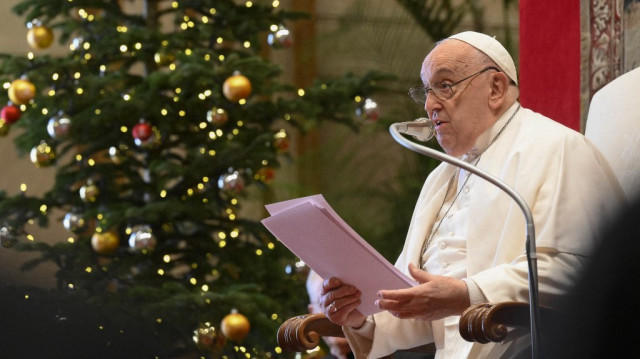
{"points": [[492, 48]]}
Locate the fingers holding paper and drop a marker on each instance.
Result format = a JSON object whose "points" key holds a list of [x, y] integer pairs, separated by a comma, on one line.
{"points": [[434, 298], [339, 302]]}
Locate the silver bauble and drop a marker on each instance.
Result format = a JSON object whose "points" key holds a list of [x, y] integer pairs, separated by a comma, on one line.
{"points": [[74, 222], [232, 182], [58, 126], [217, 116], [280, 38], [369, 111], [142, 238], [8, 237]]}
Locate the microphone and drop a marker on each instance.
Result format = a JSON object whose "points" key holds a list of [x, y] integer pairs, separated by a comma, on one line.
{"points": [[421, 129]]}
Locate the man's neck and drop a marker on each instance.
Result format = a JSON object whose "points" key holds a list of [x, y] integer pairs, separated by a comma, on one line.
{"points": [[484, 140]]}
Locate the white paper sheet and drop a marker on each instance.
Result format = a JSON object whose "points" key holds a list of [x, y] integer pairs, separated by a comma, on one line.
{"points": [[314, 232]]}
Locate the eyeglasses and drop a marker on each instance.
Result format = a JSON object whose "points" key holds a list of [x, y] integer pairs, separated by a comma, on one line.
{"points": [[442, 90]]}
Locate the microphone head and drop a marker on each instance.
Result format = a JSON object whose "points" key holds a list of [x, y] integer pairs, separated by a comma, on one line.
{"points": [[422, 129]]}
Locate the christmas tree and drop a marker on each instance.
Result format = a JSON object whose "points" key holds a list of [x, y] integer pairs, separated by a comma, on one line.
{"points": [[158, 122]]}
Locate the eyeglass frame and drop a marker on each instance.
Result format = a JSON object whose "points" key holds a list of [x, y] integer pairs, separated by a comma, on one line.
{"points": [[414, 91]]}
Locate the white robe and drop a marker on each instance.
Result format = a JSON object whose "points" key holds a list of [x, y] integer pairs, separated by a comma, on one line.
{"points": [[569, 188]]}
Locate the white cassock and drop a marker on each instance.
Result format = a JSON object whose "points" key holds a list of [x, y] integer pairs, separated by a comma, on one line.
{"points": [[570, 190]]}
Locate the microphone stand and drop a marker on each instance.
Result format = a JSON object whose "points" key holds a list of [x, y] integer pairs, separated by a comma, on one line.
{"points": [[532, 258]]}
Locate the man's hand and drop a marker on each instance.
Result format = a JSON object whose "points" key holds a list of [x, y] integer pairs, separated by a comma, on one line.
{"points": [[339, 303], [434, 298]]}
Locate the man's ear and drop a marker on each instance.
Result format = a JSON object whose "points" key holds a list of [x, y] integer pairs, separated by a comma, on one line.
{"points": [[499, 89]]}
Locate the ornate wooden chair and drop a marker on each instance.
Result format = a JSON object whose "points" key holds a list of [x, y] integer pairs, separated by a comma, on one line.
{"points": [[613, 125]]}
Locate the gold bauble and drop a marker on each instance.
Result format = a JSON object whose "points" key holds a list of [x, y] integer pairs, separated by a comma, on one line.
{"points": [[207, 337], [236, 87], [235, 326], [21, 91], [40, 37], [105, 243], [164, 58], [4, 127], [43, 155], [89, 192]]}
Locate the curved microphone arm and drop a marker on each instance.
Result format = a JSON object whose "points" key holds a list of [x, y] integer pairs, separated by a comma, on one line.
{"points": [[532, 258]]}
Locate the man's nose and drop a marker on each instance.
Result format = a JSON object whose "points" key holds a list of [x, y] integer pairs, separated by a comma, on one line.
{"points": [[431, 103]]}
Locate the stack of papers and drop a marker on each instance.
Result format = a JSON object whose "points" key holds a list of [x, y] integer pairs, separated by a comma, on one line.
{"points": [[314, 232]]}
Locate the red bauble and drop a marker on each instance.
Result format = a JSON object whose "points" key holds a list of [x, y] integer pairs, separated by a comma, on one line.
{"points": [[142, 131], [10, 113]]}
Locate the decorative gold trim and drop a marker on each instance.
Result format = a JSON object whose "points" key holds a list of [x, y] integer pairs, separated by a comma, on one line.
{"points": [[606, 53]]}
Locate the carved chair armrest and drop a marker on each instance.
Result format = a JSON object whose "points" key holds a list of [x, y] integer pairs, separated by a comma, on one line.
{"points": [[488, 322], [303, 332]]}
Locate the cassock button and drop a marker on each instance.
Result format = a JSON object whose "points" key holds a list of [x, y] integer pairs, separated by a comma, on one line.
{"points": [[466, 190], [450, 234], [443, 245], [445, 265]]}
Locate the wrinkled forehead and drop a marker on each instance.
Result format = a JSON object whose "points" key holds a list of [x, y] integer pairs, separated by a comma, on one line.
{"points": [[449, 57]]}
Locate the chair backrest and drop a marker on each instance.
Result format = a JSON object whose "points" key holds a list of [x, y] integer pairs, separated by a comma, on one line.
{"points": [[613, 125]]}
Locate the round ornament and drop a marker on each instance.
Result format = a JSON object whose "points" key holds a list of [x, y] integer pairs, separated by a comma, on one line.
{"points": [[217, 116], [152, 141], [21, 91], [58, 126], [142, 238], [163, 58], [208, 337], [8, 237], [265, 174], [89, 192], [235, 326], [10, 114], [105, 243], [236, 87], [74, 222], [231, 182], [369, 110], [43, 155], [281, 141], [142, 131], [39, 37], [280, 38], [76, 43], [119, 154], [4, 128]]}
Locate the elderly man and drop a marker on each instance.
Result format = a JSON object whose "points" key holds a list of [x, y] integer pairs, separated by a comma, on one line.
{"points": [[466, 241]]}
